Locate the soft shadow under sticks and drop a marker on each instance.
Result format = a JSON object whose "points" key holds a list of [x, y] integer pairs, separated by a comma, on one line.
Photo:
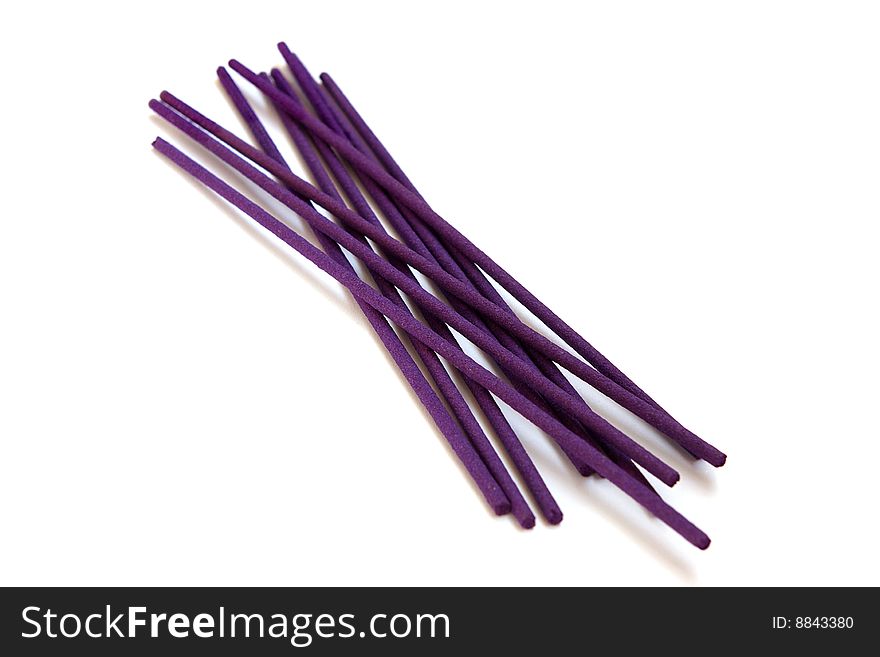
{"points": [[461, 446], [356, 133], [687, 439], [521, 460], [461, 361], [423, 298]]}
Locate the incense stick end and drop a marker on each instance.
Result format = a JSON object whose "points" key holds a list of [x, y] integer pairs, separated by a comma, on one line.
{"points": [[501, 508]]}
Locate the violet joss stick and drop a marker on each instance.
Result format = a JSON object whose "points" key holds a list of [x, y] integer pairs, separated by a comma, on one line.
{"points": [[449, 283], [432, 363], [598, 461], [460, 408], [519, 506], [425, 300], [409, 234], [386, 159], [451, 235], [484, 481], [365, 140], [431, 247], [517, 453]]}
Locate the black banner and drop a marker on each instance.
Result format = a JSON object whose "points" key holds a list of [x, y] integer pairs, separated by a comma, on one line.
{"points": [[169, 621]]}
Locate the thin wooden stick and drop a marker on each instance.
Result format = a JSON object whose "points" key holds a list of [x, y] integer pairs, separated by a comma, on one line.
{"points": [[409, 234], [449, 233], [449, 283], [460, 268], [520, 458], [472, 462], [425, 300], [366, 141], [469, 367], [448, 389]]}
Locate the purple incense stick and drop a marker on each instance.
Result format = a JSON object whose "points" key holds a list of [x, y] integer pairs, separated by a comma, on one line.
{"points": [[371, 145], [409, 233], [484, 481], [427, 301], [513, 325], [365, 141], [598, 461], [522, 462], [519, 507], [451, 235]]}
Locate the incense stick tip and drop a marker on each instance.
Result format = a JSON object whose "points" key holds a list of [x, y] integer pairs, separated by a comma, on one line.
{"points": [[501, 508], [554, 516], [161, 145]]}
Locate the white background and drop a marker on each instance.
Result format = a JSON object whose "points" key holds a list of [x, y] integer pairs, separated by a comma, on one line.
{"points": [[694, 186]]}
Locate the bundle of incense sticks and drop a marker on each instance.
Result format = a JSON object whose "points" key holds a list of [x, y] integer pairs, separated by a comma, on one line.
{"points": [[353, 172]]}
